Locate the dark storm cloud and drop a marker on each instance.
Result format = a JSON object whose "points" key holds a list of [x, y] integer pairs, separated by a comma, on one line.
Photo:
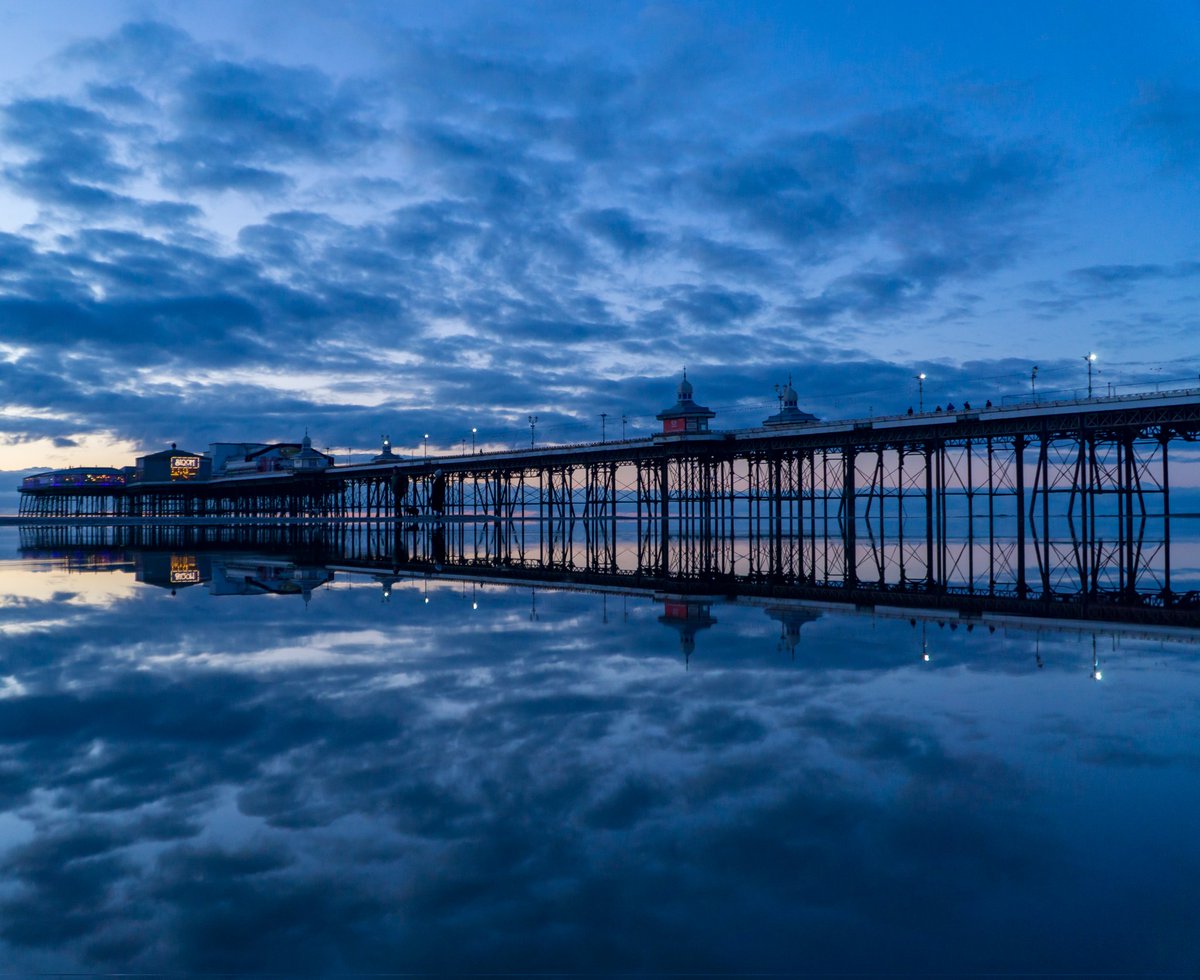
{"points": [[713, 307], [933, 184], [1087, 286], [787, 193], [563, 100], [140, 49], [160, 413], [205, 122], [1120, 276], [231, 118], [121, 96], [949, 205], [876, 292], [65, 137], [619, 229], [162, 325], [70, 159], [726, 258], [279, 110], [201, 163], [17, 254]]}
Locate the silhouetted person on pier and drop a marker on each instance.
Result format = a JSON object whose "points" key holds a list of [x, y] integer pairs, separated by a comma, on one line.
{"points": [[949, 406], [989, 404], [938, 409], [966, 406], [910, 410]]}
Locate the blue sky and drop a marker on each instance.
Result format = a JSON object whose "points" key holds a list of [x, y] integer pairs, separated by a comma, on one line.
{"points": [[229, 221]]}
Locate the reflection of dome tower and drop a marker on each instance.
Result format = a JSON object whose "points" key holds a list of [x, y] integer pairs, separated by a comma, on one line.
{"points": [[791, 619], [388, 582], [789, 413], [685, 415], [689, 617]]}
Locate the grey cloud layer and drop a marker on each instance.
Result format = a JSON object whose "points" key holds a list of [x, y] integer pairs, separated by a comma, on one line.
{"points": [[547, 209]]}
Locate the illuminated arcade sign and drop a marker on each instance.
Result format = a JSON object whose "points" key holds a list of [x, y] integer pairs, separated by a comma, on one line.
{"points": [[184, 467], [184, 570]]}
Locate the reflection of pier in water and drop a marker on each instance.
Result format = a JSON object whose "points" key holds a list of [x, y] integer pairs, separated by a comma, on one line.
{"points": [[697, 562]]}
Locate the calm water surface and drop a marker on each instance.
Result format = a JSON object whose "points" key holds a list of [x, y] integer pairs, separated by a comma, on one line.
{"points": [[431, 775]]}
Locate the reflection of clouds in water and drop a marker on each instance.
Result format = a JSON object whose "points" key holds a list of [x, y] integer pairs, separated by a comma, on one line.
{"points": [[250, 784], [20, 586], [342, 648]]}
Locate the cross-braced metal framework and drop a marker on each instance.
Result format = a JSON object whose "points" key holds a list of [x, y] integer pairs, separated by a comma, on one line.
{"points": [[1030, 502]]}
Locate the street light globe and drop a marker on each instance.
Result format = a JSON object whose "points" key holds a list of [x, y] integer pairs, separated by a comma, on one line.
{"points": [[1091, 357], [921, 375]]}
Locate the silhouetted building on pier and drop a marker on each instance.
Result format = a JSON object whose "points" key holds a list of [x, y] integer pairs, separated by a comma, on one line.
{"points": [[685, 416], [386, 455], [76, 477], [789, 412], [279, 457], [172, 466]]}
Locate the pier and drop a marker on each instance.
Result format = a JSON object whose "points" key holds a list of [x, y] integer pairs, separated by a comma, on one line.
{"points": [[992, 495]]}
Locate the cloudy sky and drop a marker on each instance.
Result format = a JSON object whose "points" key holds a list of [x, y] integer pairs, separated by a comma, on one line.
{"points": [[235, 220]]}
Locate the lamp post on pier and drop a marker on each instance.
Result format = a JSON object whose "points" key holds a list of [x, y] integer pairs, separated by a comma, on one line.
{"points": [[533, 421], [426, 445], [920, 391], [603, 426], [473, 431], [1091, 359]]}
